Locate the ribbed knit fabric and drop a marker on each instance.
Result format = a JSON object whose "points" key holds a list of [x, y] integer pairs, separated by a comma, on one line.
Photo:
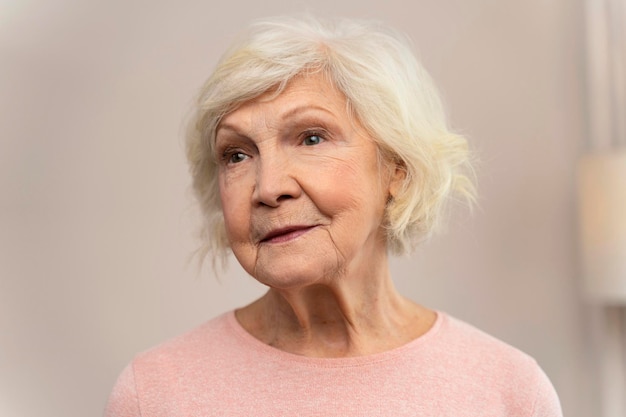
{"points": [[218, 369]]}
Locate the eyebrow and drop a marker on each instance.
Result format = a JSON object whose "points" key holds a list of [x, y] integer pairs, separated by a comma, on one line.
{"points": [[298, 109], [305, 108]]}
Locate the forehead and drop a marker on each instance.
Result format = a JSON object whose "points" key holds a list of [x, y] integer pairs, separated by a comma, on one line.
{"points": [[303, 92]]}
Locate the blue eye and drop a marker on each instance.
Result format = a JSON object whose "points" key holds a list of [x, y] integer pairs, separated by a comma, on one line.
{"points": [[311, 140], [237, 157]]}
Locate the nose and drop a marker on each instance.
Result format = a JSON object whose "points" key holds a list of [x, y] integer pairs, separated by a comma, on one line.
{"points": [[275, 181]]}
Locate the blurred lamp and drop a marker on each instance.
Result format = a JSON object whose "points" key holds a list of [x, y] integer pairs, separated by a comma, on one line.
{"points": [[602, 204]]}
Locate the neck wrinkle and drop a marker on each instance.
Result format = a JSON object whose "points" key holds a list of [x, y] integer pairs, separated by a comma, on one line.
{"points": [[333, 319]]}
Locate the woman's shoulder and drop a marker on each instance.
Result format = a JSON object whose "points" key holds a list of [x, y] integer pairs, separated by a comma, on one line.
{"points": [[476, 347], [496, 365], [459, 333], [206, 338], [155, 373]]}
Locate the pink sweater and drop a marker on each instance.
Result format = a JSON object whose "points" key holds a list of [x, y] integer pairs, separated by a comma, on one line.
{"points": [[219, 369]]}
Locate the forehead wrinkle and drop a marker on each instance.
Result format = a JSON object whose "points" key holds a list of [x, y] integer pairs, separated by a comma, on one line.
{"points": [[270, 113], [258, 120], [246, 123]]}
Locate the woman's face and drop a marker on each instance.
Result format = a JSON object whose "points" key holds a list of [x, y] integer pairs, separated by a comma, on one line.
{"points": [[301, 186]]}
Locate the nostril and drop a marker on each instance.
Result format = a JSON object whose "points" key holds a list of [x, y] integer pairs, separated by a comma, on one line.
{"points": [[274, 202], [275, 182]]}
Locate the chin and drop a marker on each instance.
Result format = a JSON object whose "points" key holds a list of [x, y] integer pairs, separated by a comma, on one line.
{"points": [[294, 272]]}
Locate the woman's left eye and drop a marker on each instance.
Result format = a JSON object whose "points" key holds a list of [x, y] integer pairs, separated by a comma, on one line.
{"points": [[311, 140]]}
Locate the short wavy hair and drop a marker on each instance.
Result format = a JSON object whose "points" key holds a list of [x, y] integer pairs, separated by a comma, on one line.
{"points": [[386, 89]]}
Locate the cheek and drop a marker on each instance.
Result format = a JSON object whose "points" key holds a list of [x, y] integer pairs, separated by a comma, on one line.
{"points": [[235, 211], [348, 188]]}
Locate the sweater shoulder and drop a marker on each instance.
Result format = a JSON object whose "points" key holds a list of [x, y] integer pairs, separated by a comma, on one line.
{"points": [[185, 350], [474, 344], [505, 371], [480, 350]]}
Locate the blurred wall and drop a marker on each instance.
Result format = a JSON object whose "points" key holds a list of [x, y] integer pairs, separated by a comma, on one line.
{"points": [[97, 219]]}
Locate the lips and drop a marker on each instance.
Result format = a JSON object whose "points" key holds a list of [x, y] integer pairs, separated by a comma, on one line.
{"points": [[285, 234]]}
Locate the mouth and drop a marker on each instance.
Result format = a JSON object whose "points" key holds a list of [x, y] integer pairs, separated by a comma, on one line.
{"points": [[285, 234]]}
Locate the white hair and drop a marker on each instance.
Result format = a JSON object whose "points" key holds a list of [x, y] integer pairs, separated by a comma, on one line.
{"points": [[386, 89]]}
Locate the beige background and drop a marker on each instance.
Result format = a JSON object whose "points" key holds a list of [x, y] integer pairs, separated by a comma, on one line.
{"points": [[96, 216]]}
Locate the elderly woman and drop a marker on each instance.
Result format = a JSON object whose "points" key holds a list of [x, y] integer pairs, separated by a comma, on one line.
{"points": [[317, 149]]}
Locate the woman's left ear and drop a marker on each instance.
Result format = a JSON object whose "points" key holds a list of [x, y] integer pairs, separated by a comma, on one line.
{"points": [[397, 178]]}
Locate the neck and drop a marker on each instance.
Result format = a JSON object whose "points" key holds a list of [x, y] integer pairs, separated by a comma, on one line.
{"points": [[348, 315]]}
